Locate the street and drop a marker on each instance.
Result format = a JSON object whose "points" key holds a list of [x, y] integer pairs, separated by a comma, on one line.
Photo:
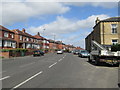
{"points": [[56, 71]]}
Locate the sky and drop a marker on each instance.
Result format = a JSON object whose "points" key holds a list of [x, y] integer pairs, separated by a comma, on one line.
{"points": [[69, 22]]}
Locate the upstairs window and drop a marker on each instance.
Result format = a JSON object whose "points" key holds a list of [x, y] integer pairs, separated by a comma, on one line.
{"points": [[5, 34], [12, 35], [21, 37], [27, 39], [114, 41], [114, 28], [0, 43]]}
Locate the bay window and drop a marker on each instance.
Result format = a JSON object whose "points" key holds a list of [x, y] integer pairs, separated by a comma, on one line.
{"points": [[5, 34]]}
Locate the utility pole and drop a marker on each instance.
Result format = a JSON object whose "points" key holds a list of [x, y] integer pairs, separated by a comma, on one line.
{"points": [[43, 40], [54, 41]]}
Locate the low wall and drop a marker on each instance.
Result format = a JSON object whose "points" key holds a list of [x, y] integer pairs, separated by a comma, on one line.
{"points": [[14, 54], [5, 54]]}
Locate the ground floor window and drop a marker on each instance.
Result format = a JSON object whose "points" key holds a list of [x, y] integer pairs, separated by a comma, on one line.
{"points": [[14, 45], [28, 45], [0, 43], [9, 44], [114, 41]]}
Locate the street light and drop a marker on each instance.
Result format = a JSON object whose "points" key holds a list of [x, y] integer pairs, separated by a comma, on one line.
{"points": [[54, 41], [43, 39]]}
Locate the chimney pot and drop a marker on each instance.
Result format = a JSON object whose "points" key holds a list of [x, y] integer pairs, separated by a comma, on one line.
{"points": [[23, 30], [38, 34]]}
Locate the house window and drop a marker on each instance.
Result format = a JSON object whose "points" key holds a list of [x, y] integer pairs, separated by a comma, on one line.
{"points": [[28, 46], [13, 45], [20, 37], [0, 43], [114, 41], [5, 34], [27, 39], [114, 28], [12, 35], [7, 43]]}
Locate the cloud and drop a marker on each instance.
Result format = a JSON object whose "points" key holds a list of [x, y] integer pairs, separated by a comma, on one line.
{"points": [[101, 3], [18, 11], [65, 26], [68, 29]]}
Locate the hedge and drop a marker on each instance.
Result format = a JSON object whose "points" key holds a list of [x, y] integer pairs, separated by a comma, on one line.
{"points": [[15, 50], [115, 47]]}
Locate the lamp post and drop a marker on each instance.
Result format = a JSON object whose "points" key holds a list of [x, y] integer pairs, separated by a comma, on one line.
{"points": [[54, 41], [43, 39]]}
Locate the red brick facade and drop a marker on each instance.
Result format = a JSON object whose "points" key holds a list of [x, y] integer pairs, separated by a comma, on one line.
{"points": [[21, 39]]}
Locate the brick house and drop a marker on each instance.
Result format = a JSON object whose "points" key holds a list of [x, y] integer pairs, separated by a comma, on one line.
{"points": [[59, 45], [52, 45], [45, 44], [25, 40], [40, 38], [7, 38]]}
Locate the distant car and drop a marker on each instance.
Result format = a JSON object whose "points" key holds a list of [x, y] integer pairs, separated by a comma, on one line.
{"points": [[76, 52], [60, 52], [38, 53], [83, 53]]}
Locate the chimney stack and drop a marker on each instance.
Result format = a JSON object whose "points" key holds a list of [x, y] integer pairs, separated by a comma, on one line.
{"points": [[23, 30], [97, 20], [38, 34]]}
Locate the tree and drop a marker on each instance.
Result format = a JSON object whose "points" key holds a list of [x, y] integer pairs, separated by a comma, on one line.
{"points": [[115, 47]]}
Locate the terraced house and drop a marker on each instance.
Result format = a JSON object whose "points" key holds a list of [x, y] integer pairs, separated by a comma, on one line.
{"points": [[7, 38], [106, 32], [25, 40]]}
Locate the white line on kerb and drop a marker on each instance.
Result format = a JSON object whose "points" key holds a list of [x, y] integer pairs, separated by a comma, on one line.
{"points": [[27, 80], [52, 64], [4, 77]]}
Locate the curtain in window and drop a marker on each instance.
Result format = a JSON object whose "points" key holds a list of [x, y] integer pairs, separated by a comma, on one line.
{"points": [[13, 45], [0, 43]]}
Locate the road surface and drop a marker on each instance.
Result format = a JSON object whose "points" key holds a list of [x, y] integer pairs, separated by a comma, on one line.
{"points": [[56, 71]]}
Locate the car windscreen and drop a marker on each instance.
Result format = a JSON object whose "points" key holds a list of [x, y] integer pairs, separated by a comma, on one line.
{"points": [[84, 52]]}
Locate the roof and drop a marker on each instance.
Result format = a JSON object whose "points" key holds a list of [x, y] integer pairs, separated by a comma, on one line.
{"points": [[59, 42], [112, 19], [51, 41], [5, 29], [38, 37], [17, 31]]}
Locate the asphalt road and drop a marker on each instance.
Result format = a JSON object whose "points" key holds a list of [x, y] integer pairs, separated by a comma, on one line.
{"points": [[56, 71]]}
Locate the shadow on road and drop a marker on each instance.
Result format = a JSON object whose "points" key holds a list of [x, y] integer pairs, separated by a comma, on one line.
{"points": [[102, 64]]}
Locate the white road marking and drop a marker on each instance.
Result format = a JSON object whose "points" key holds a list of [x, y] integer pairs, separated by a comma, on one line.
{"points": [[63, 57], [27, 80], [60, 60], [4, 78], [52, 65], [27, 65]]}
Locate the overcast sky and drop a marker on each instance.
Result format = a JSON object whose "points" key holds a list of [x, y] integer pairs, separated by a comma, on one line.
{"points": [[70, 22]]}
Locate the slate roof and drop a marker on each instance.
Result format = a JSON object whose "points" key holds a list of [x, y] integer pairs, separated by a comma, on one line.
{"points": [[22, 33], [112, 19], [5, 29]]}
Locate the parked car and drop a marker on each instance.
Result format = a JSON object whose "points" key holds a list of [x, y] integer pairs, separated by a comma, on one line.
{"points": [[60, 52], [38, 53], [83, 53], [76, 52]]}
